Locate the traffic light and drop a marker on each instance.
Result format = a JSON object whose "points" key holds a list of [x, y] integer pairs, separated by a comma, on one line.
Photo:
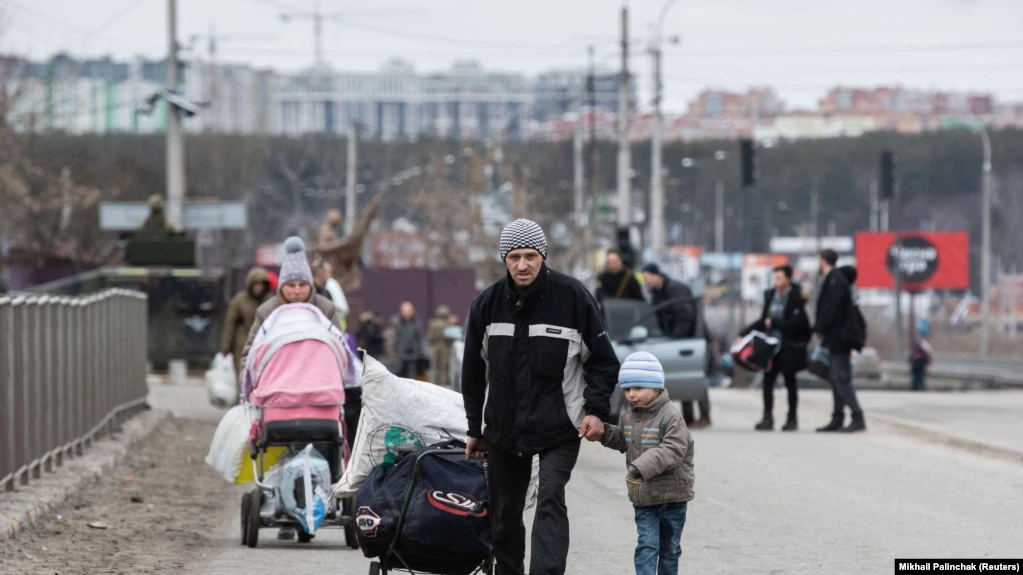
{"points": [[887, 175], [623, 234], [749, 163]]}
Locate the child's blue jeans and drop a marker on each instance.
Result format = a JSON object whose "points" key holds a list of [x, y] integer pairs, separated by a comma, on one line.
{"points": [[660, 538]]}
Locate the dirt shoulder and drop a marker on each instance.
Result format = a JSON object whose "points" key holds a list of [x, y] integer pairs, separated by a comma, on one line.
{"points": [[154, 513]]}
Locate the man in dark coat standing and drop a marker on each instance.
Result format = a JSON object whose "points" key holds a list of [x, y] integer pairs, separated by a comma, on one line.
{"points": [[678, 320], [617, 281], [783, 317], [834, 303]]}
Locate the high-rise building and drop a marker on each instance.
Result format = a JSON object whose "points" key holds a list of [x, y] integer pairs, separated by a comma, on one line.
{"points": [[561, 92]]}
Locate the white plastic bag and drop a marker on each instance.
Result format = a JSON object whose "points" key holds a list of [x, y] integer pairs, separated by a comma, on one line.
{"points": [[230, 443], [401, 415], [222, 381], [313, 470]]}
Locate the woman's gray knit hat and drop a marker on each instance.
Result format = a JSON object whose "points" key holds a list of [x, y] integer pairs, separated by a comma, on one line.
{"points": [[295, 266], [523, 233]]}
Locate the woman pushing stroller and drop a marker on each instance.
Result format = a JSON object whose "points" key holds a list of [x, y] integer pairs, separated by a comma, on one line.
{"points": [[296, 287]]}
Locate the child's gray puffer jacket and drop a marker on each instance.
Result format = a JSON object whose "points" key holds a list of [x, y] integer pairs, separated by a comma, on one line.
{"points": [[659, 449]]}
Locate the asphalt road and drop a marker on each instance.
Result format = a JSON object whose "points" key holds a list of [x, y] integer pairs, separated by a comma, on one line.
{"points": [[918, 483]]}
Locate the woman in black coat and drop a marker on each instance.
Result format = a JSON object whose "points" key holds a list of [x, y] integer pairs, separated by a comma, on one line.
{"points": [[784, 317]]}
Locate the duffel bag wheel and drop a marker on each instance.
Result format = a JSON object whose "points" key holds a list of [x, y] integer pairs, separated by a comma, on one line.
{"points": [[374, 569], [347, 510], [303, 537], [245, 518], [252, 527]]}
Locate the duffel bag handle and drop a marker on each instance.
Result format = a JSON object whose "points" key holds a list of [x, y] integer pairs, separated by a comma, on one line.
{"points": [[453, 443]]}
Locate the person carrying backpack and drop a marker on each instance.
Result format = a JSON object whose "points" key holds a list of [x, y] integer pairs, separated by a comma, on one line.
{"points": [[839, 329]]}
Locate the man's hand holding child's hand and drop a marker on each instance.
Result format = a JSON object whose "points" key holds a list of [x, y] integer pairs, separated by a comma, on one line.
{"points": [[592, 429]]}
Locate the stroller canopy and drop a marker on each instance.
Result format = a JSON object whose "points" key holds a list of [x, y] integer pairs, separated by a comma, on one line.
{"points": [[298, 359]]}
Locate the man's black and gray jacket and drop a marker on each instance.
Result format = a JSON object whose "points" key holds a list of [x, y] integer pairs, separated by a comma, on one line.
{"points": [[536, 362]]}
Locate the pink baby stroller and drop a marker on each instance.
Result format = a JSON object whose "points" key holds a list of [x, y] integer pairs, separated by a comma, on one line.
{"points": [[294, 392]]}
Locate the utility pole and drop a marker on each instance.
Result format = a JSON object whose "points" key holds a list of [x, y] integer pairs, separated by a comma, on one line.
{"points": [[350, 176], [214, 105], [577, 172], [719, 216], [624, 152], [591, 87], [985, 255], [317, 16], [815, 216], [875, 211], [175, 140]]}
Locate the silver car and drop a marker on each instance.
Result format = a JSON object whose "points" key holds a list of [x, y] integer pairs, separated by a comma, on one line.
{"points": [[632, 326]]}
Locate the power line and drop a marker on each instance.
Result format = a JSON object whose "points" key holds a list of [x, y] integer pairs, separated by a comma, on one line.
{"points": [[128, 9], [461, 42], [814, 50]]}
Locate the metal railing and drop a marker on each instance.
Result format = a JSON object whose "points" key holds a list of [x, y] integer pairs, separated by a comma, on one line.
{"points": [[71, 370]]}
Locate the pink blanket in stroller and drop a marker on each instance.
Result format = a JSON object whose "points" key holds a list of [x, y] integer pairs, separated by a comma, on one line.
{"points": [[297, 360]]}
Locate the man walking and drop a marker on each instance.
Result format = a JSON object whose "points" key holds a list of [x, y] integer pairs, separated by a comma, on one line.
{"points": [[538, 372], [783, 317], [834, 304]]}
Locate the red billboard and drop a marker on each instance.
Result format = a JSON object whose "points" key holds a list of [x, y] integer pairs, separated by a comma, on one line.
{"points": [[929, 260]]}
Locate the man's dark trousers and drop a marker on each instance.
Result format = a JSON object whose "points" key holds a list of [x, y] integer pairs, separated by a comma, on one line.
{"points": [[508, 480], [791, 384], [842, 387]]}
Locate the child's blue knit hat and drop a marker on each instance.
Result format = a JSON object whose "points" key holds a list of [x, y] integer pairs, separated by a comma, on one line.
{"points": [[641, 369]]}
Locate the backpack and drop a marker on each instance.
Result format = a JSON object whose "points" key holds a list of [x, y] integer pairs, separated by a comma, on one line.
{"points": [[855, 327]]}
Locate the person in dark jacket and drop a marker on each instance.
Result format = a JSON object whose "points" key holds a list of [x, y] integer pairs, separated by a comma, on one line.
{"points": [[618, 281], [320, 277], [539, 369], [678, 320], [371, 334], [241, 314], [3, 284], [408, 341], [834, 304], [783, 317]]}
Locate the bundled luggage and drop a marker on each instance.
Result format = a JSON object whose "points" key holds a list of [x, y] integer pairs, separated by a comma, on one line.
{"points": [[756, 351], [426, 513]]}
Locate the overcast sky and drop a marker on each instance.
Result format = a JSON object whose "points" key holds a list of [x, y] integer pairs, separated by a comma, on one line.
{"points": [[802, 47]]}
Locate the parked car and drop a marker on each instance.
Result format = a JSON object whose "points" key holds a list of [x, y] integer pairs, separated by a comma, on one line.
{"points": [[866, 363], [632, 326]]}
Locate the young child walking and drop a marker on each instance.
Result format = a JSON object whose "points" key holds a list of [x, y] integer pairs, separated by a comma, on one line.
{"points": [[659, 460]]}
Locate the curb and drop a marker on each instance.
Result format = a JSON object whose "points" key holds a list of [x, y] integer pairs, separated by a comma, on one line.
{"points": [[934, 436], [25, 507]]}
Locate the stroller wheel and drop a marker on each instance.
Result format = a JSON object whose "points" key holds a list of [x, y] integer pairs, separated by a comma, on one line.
{"points": [[304, 537], [252, 525], [375, 569], [348, 512], [245, 518], [488, 566]]}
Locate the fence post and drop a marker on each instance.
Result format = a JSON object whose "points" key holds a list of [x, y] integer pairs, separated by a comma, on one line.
{"points": [[47, 371], [80, 407], [8, 461]]}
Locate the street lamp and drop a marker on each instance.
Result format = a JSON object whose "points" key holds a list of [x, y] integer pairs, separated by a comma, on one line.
{"points": [[656, 176]]}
